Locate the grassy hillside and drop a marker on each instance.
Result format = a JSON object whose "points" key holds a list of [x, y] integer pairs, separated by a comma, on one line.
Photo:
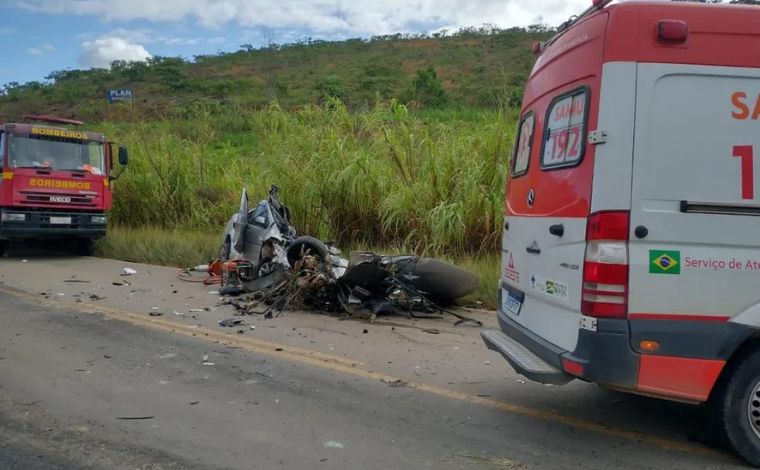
{"points": [[472, 68]]}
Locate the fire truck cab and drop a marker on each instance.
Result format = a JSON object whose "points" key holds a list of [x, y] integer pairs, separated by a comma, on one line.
{"points": [[56, 182], [631, 242]]}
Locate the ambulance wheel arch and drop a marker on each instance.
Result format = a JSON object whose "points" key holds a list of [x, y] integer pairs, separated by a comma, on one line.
{"points": [[735, 402]]}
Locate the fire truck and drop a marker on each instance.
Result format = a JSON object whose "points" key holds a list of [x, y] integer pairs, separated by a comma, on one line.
{"points": [[631, 241], [56, 182]]}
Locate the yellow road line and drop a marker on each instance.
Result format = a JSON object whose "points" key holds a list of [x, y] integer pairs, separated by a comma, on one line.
{"points": [[346, 366]]}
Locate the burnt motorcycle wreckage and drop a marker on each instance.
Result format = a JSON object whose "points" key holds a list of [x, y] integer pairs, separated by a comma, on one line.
{"points": [[272, 269]]}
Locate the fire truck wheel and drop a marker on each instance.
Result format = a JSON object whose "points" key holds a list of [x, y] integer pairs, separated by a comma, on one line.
{"points": [[85, 247], [737, 407], [3, 247]]}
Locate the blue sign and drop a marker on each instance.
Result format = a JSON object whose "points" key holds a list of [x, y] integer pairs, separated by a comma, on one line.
{"points": [[119, 95]]}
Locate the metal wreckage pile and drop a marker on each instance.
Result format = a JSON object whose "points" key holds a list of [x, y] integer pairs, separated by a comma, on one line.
{"points": [[266, 269]]}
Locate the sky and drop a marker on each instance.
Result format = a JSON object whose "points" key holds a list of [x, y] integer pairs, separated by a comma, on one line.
{"points": [[42, 36]]}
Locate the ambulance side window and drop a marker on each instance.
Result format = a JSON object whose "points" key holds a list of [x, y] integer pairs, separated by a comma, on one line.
{"points": [[523, 145], [565, 133]]}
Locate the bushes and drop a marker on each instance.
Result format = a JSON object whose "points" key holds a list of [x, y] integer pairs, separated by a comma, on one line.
{"points": [[426, 89], [383, 177]]}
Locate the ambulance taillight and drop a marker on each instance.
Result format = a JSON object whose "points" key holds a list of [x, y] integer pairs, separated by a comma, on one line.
{"points": [[605, 268]]}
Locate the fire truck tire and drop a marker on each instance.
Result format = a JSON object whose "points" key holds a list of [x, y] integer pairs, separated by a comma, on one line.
{"points": [[3, 247], [736, 407], [85, 247]]}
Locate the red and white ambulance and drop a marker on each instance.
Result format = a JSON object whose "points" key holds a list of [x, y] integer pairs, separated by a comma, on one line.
{"points": [[631, 245]]}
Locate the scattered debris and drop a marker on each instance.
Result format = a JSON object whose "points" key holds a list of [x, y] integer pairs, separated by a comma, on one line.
{"points": [[365, 331], [155, 313], [496, 462], [396, 383], [77, 280], [432, 331], [194, 402], [253, 327], [96, 297], [230, 322], [24, 260], [334, 445], [135, 417], [128, 272]]}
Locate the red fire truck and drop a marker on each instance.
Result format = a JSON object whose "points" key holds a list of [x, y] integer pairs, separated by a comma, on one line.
{"points": [[56, 182]]}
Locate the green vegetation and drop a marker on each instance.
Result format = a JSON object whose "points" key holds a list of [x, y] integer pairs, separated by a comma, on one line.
{"points": [[426, 182], [180, 248], [469, 68]]}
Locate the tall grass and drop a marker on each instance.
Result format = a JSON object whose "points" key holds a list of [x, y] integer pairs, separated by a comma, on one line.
{"points": [[384, 176]]}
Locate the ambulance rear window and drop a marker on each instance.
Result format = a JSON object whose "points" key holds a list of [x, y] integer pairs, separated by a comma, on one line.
{"points": [[523, 145], [565, 132]]}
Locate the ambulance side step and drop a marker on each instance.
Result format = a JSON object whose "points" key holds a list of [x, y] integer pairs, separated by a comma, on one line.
{"points": [[523, 360]]}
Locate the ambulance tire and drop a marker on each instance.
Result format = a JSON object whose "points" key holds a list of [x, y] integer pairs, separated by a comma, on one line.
{"points": [[736, 407]]}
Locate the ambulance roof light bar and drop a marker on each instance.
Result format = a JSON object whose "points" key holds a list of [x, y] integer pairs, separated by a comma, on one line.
{"points": [[596, 5], [51, 119]]}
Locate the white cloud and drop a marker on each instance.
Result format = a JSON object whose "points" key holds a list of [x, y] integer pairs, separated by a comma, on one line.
{"points": [[40, 50], [102, 51], [363, 17]]}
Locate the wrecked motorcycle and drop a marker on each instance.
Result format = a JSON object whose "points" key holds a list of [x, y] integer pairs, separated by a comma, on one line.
{"points": [[265, 237]]}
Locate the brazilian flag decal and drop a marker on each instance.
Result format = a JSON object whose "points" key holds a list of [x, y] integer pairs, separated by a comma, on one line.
{"points": [[664, 262]]}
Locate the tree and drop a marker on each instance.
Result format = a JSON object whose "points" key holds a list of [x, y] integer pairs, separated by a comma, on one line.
{"points": [[426, 89], [330, 87]]}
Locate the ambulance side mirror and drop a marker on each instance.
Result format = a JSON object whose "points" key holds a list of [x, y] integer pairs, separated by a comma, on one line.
{"points": [[123, 155]]}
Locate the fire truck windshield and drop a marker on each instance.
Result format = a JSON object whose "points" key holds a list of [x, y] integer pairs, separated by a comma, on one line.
{"points": [[55, 153]]}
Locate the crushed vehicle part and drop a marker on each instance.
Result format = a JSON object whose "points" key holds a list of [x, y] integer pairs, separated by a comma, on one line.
{"points": [[262, 257], [230, 322]]}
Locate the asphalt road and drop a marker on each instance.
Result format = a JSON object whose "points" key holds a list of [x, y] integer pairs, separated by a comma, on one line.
{"points": [[110, 388]]}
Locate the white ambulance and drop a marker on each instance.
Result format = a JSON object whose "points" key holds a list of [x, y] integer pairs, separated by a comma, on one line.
{"points": [[631, 246]]}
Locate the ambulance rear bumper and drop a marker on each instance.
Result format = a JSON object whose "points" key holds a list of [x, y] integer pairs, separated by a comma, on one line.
{"points": [[603, 356]]}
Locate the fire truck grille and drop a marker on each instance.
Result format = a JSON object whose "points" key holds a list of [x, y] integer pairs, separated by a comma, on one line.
{"points": [[50, 199]]}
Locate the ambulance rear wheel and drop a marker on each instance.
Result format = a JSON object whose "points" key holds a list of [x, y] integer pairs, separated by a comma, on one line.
{"points": [[737, 408]]}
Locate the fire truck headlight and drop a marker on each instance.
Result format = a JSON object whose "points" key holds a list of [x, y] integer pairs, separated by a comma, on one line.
{"points": [[11, 217], [98, 219]]}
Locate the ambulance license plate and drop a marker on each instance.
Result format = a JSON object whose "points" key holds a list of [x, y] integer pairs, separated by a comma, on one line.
{"points": [[512, 301], [60, 220]]}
